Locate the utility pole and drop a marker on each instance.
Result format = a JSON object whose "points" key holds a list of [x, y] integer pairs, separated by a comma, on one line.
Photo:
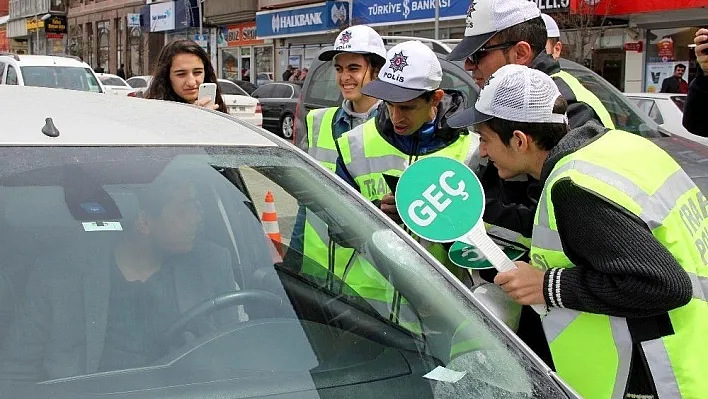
{"points": [[437, 18]]}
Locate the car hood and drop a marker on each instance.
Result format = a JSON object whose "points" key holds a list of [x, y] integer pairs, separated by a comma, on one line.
{"points": [[692, 156]]}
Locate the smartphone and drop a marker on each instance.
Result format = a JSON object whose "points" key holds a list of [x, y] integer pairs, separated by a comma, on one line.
{"points": [[392, 182], [208, 90]]}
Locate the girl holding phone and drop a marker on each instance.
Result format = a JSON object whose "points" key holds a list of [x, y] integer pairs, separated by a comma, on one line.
{"points": [[182, 67]]}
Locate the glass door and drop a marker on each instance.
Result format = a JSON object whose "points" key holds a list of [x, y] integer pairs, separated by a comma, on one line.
{"points": [[245, 63]]}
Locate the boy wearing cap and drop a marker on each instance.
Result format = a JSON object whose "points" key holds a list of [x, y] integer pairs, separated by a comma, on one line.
{"points": [[613, 257], [413, 124], [553, 44], [358, 54]]}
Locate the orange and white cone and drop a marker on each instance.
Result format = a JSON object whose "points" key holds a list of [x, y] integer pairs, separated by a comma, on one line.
{"points": [[271, 226]]}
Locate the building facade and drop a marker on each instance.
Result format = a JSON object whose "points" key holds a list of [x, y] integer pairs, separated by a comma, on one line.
{"points": [[659, 36], [4, 18], [37, 26]]}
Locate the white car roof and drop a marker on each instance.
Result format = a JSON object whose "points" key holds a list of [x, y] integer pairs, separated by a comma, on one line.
{"points": [[84, 118], [49, 60]]}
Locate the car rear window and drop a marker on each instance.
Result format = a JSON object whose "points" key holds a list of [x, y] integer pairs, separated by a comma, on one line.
{"points": [[109, 81], [72, 78], [680, 101]]}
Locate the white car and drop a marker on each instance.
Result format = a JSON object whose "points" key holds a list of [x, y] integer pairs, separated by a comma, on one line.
{"points": [[240, 104], [140, 84], [135, 264], [666, 110], [53, 71], [115, 84]]}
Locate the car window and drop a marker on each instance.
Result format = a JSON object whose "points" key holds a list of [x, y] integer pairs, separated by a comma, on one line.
{"points": [[230, 89], [2, 71], [282, 91], [137, 83], [143, 269], [322, 88], [679, 101], [453, 79], [11, 76], [624, 114], [111, 81], [265, 91], [72, 78], [655, 112]]}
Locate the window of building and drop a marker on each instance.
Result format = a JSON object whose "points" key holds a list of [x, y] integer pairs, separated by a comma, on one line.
{"points": [[104, 41], [665, 49], [120, 32], [135, 52]]}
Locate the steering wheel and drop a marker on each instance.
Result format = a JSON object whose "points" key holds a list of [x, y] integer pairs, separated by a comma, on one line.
{"points": [[221, 302]]}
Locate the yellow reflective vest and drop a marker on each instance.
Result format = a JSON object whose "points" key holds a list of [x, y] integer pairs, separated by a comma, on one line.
{"points": [[592, 352]]}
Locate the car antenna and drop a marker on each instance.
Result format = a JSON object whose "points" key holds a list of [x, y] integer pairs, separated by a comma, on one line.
{"points": [[49, 129]]}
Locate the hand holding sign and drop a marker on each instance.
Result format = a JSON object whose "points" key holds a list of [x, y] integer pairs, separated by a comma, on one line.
{"points": [[442, 200]]}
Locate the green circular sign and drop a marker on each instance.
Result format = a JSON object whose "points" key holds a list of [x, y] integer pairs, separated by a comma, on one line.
{"points": [[469, 257], [439, 199]]}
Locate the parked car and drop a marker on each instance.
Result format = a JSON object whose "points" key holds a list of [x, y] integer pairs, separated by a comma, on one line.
{"points": [[279, 102], [239, 320], [240, 104], [53, 71], [666, 110], [114, 84], [248, 87], [320, 90], [140, 84]]}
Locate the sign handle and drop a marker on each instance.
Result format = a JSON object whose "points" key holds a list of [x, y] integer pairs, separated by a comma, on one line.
{"points": [[479, 238]]}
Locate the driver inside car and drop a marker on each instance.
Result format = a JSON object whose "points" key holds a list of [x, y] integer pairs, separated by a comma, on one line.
{"points": [[106, 303]]}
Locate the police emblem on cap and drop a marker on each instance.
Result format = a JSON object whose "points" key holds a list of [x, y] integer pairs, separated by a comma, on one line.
{"points": [[346, 37], [398, 62], [470, 10]]}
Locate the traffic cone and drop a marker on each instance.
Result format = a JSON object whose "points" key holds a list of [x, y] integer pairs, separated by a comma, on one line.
{"points": [[271, 226]]}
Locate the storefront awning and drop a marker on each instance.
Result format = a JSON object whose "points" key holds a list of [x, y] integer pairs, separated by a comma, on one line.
{"points": [[616, 8], [3, 20]]}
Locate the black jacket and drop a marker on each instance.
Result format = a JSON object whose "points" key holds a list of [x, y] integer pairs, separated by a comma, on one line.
{"points": [[695, 113], [512, 204], [672, 84]]}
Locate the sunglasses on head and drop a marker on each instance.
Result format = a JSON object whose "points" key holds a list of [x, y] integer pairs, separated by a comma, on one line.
{"points": [[483, 51]]}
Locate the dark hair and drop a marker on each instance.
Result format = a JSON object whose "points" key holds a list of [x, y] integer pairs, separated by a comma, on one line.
{"points": [[161, 87], [679, 66], [532, 32], [427, 96], [554, 40], [376, 62], [545, 135]]}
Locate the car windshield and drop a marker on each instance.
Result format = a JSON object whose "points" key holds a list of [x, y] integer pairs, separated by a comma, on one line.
{"points": [[170, 271], [624, 113], [59, 77], [111, 81]]}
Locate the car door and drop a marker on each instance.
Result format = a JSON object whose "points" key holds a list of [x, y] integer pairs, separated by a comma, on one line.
{"points": [[281, 96], [264, 94]]}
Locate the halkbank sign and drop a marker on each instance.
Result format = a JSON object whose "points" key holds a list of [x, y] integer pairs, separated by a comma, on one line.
{"points": [[303, 20]]}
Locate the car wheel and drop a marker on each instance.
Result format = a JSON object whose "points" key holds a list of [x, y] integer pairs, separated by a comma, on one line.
{"points": [[286, 126]]}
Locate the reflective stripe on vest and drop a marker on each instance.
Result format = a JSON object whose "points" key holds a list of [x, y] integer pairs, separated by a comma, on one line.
{"points": [[320, 137], [592, 352], [582, 94]]}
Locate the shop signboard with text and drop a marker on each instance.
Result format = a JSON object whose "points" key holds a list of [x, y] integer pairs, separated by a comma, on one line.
{"points": [[303, 20], [162, 16], [376, 12], [239, 35]]}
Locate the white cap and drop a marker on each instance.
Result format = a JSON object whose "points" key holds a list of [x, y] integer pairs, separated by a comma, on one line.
{"points": [[487, 17], [551, 26], [411, 69], [358, 39], [513, 93]]}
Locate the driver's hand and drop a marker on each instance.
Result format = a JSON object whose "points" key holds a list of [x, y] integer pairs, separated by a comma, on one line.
{"points": [[388, 206]]}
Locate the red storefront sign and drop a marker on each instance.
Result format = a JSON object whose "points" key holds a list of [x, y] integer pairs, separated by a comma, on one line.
{"points": [[55, 35], [634, 46], [626, 7], [242, 34]]}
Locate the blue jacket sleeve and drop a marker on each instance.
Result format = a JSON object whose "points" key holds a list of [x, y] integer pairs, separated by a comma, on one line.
{"points": [[695, 118]]}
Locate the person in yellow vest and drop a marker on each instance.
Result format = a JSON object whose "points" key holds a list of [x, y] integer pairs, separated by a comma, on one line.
{"points": [[619, 250], [358, 54], [499, 33], [411, 125]]}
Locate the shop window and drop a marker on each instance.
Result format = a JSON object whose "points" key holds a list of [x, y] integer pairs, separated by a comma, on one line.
{"points": [[120, 31], [135, 52], [103, 31], [229, 64], [264, 64], [665, 49]]}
